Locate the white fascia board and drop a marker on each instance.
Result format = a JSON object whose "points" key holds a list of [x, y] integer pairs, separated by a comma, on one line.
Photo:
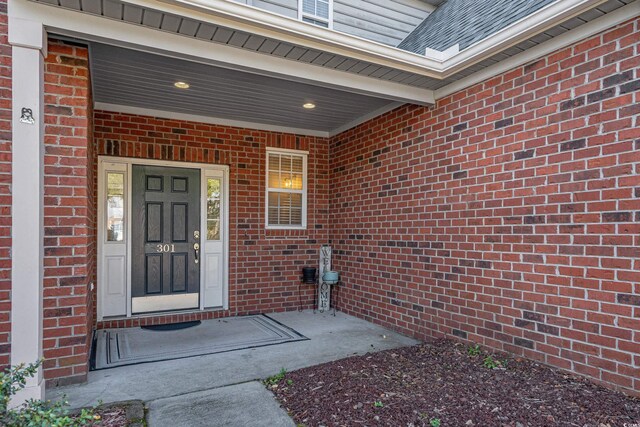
{"points": [[438, 65], [125, 109], [587, 30], [254, 20], [539, 21], [95, 28]]}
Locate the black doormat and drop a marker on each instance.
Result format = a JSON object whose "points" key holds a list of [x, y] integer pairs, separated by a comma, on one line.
{"points": [[172, 326], [131, 346]]}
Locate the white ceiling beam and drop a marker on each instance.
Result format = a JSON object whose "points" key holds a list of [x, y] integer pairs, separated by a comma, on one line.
{"points": [[95, 28]]}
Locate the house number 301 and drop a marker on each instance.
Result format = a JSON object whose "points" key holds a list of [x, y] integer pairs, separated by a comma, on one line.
{"points": [[165, 248]]}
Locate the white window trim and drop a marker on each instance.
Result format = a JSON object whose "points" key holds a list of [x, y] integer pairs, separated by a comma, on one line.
{"points": [[304, 155], [329, 21]]}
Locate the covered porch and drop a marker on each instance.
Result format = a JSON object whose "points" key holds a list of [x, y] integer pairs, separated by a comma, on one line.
{"points": [[154, 193], [128, 113]]}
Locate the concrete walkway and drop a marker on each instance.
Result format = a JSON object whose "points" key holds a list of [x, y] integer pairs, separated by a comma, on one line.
{"points": [[224, 388], [243, 405]]}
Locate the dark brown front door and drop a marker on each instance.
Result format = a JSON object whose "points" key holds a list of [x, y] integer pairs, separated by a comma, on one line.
{"points": [[165, 245]]}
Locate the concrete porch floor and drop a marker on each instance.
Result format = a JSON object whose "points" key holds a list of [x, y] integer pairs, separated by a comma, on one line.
{"points": [[203, 381]]}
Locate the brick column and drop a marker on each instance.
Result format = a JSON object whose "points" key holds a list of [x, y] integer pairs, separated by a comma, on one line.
{"points": [[69, 215]]}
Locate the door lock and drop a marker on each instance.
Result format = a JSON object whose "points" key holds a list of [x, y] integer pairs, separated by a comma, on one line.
{"points": [[196, 234], [196, 247]]}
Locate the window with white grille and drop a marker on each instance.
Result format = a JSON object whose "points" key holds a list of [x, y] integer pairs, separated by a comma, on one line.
{"points": [[286, 197], [317, 12]]}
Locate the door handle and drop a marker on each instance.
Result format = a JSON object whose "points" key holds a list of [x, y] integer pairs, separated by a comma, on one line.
{"points": [[196, 247]]}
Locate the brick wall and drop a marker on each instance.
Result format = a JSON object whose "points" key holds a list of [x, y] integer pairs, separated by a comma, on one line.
{"points": [[5, 188], [265, 265], [69, 211], [508, 214]]}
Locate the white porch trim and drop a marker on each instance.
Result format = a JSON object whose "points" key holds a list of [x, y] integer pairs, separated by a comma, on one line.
{"points": [[256, 21], [269, 24], [584, 31], [28, 40], [539, 21], [98, 29]]}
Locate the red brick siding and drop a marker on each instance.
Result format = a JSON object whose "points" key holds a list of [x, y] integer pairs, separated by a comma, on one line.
{"points": [[265, 265], [508, 214], [69, 215], [5, 189]]}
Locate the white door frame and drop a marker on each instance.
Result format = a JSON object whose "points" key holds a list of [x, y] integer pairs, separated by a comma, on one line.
{"points": [[126, 165]]}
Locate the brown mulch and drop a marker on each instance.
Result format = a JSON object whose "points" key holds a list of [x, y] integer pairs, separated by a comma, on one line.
{"points": [[114, 416], [120, 414], [416, 386]]}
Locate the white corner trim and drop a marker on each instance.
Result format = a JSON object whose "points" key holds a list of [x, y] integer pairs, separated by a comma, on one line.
{"points": [[365, 118], [124, 109], [27, 214], [445, 54], [570, 37], [27, 33], [539, 21]]}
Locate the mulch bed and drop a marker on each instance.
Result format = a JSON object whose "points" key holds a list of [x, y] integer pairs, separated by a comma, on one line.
{"points": [[129, 413], [115, 416], [421, 385]]}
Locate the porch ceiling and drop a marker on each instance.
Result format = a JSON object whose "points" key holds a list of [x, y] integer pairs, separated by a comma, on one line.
{"points": [[125, 79]]}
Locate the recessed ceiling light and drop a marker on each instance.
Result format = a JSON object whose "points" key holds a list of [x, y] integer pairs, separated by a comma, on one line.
{"points": [[181, 85], [309, 105]]}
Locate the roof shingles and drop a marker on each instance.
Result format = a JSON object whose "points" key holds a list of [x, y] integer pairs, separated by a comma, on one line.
{"points": [[467, 22]]}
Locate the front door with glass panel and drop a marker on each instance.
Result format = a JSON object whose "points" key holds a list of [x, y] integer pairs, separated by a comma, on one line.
{"points": [[166, 240]]}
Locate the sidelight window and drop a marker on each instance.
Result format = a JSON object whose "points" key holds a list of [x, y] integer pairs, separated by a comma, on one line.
{"points": [[286, 189], [115, 207], [213, 208]]}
